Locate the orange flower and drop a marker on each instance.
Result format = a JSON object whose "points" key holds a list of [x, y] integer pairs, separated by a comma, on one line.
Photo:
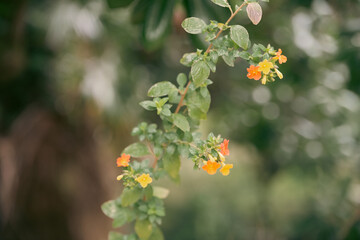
{"points": [[144, 180], [282, 58], [225, 170], [211, 167], [224, 147], [123, 161], [254, 73]]}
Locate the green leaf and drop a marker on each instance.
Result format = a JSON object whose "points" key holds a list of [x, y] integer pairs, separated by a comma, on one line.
{"points": [[123, 215], [130, 237], [243, 55], [188, 59], [174, 97], [156, 234], [115, 236], [110, 209], [166, 110], [161, 89], [197, 104], [148, 105], [130, 196], [148, 192], [118, 3], [143, 229], [159, 102], [160, 192], [254, 12], [240, 36], [199, 72], [229, 60], [118, 222], [204, 92], [222, 3], [137, 150], [211, 65], [172, 165], [214, 56], [193, 25], [181, 122], [181, 79]]}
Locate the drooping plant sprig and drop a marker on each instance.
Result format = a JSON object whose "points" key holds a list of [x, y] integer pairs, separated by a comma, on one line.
{"points": [[180, 109]]}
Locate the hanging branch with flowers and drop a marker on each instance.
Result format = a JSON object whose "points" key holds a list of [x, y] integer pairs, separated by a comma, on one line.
{"points": [[181, 107]]}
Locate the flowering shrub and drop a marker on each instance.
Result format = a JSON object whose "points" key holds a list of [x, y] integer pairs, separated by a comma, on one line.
{"points": [[181, 107]]}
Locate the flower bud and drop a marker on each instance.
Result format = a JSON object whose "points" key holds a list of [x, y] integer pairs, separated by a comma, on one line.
{"points": [[211, 158], [222, 158], [279, 74]]}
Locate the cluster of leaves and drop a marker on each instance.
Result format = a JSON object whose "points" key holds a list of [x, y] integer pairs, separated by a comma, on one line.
{"points": [[180, 108]]}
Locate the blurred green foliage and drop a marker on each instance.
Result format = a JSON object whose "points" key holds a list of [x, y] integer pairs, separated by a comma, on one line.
{"points": [[294, 143]]}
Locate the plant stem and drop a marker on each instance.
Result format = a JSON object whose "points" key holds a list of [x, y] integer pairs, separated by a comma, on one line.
{"points": [[182, 97], [152, 153], [233, 14], [227, 22]]}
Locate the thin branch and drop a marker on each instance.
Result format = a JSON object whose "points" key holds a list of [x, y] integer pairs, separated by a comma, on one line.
{"points": [[230, 9], [188, 143], [182, 97], [227, 22], [152, 153]]}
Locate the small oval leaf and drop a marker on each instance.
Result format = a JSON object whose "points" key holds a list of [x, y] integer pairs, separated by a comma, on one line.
{"points": [[110, 209], [172, 165], [222, 3], [199, 72], [143, 229], [130, 196], [193, 25], [254, 12], [240, 36], [148, 105], [136, 150], [156, 234], [161, 89], [161, 192], [181, 122], [115, 236]]}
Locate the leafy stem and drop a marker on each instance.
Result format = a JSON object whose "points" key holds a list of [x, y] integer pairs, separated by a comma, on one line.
{"points": [[233, 14], [152, 153], [226, 23]]}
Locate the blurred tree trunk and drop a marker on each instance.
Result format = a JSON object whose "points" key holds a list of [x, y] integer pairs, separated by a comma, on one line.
{"points": [[50, 182]]}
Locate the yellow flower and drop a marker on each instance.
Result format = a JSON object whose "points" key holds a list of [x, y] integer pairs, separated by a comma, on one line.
{"points": [[265, 66], [280, 75], [144, 180], [119, 177], [225, 170]]}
